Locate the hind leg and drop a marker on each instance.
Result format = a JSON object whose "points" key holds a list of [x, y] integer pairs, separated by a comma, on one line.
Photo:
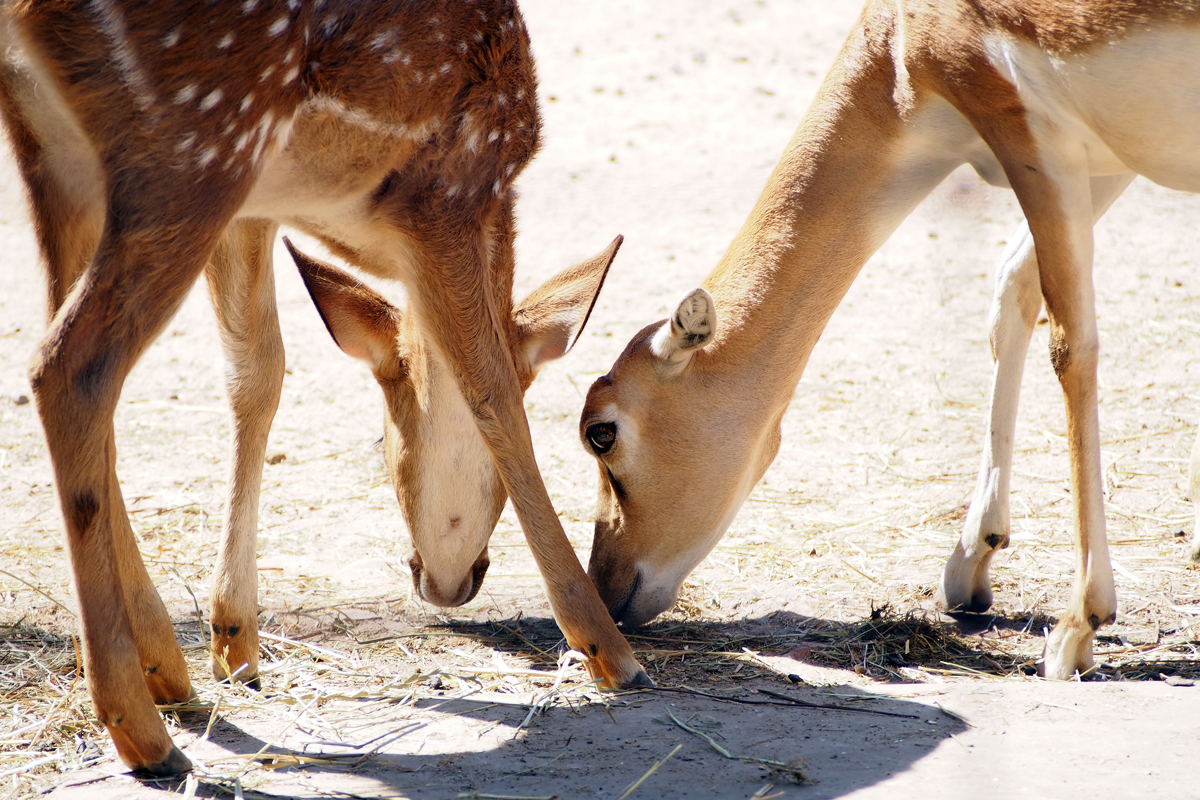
{"points": [[130, 653], [62, 179]]}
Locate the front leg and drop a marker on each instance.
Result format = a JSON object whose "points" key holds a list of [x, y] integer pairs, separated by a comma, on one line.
{"points": [[241, 286], [456, 310], [966, 584]]}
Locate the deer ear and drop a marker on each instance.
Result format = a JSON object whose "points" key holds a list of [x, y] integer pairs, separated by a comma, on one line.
{"points": [[690, 328], [360, 320], [550, 320]]}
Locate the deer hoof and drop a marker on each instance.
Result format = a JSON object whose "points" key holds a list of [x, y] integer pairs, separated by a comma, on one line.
{"points": [[176, 763]]}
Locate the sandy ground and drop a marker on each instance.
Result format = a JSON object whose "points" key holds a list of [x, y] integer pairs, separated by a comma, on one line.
{"points": [[662, 121]]}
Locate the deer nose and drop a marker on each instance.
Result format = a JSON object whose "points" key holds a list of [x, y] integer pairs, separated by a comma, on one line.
{"points": [[435, 591]]}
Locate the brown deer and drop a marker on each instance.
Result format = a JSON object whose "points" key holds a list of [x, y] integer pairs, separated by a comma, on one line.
{"points": [[158, 140], [1063, 102]]}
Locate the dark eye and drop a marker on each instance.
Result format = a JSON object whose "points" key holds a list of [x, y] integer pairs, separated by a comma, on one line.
{"points": [[602, 436]]}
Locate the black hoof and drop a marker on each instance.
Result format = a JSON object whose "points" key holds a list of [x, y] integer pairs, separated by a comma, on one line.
{"points": [[176, 763], [641, 680]]}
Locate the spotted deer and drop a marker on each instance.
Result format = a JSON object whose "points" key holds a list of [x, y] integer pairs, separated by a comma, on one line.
{"points": [[159, 140], [1064, 103]]}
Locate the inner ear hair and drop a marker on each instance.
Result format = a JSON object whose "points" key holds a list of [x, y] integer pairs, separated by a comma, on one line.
{"points": [[692, 326]]}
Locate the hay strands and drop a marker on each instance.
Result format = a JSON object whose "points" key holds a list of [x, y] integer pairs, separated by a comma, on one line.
{"points": [[788, 771]]}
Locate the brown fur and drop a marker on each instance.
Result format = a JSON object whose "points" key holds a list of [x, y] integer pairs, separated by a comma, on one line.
{"points": [[157, 138], [917, 90]]}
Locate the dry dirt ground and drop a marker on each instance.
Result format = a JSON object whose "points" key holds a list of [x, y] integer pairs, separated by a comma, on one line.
{"points": [[662, 123]]}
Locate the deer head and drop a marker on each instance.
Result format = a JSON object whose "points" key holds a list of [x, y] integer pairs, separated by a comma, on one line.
{"points": [[445, 479], [676, 459]]}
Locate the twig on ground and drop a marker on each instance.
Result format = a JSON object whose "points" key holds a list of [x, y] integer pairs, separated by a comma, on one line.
{"points": [[785, 770]]}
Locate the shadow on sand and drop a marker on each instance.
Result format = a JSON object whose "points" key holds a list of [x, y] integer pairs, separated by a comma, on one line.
{"points": [[726, 727]]}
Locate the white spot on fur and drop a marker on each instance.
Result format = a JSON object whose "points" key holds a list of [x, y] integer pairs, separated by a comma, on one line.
{"points": [[382, 40], [279, 26], [493, 136], [360, 118], [467, 128], [205, 158], [112, 25], [445, 68], [185, 94], [226, 42], [291, 75], [266, 73], [249, 6], [262, 134], [246, 101], [172, 38], [211, 99], [186, 143]]}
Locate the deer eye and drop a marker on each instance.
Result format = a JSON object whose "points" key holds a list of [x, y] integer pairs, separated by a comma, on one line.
{"points": [[602, 436]]}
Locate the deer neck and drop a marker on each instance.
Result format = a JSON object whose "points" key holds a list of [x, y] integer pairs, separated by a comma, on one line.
{"points": [[864, 156]]}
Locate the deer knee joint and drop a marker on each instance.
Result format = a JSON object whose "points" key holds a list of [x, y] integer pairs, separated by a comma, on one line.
{"points": [[1060, 353]]}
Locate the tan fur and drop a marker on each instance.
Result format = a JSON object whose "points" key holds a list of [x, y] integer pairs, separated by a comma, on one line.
{"points": [[161, 140], [1037, 95]]}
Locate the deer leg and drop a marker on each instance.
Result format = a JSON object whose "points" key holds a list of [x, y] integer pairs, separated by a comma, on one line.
{"points": [[62, 180], [136, 282], [453, 301], [1058, 204], [241, 286], [966, 584]]}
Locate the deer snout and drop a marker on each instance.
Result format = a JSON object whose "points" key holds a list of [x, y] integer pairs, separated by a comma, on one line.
{"points": [[632, 595], [448, 592]]}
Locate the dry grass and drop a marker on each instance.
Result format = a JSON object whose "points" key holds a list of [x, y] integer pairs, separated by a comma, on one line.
{"points": [[349, 672], [341, 689]]}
